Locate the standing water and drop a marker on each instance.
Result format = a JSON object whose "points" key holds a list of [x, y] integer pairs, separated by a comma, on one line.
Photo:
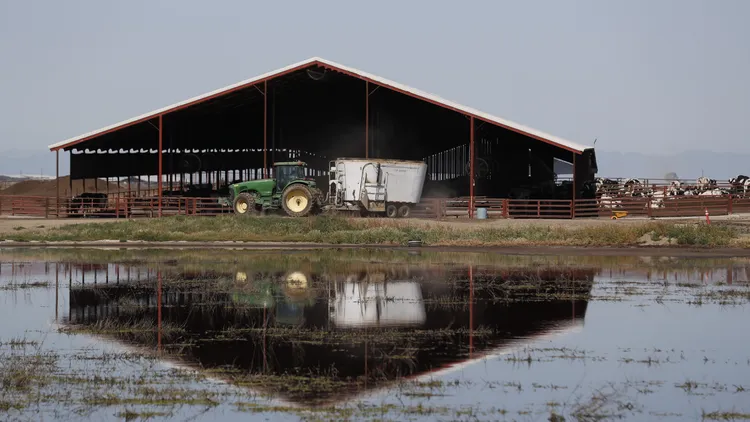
{"points": [[368, 334]]}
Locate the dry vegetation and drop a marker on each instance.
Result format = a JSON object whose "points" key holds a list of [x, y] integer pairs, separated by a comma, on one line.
{"points": [[339, 230]]}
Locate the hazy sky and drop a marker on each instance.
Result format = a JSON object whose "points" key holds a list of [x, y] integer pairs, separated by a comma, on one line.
{"points": [[650, 75]]}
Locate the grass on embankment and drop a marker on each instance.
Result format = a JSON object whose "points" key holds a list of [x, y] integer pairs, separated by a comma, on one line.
{"points": [[338, 230]]}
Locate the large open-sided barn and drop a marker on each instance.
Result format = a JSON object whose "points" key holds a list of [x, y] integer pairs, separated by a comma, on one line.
{"points": [[315, 111]]}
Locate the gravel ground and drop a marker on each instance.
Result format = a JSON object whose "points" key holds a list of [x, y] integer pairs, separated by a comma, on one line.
{"points": [[7, 224]]}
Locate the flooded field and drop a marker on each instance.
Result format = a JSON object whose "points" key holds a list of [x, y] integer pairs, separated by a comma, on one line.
{"points": [[371, 335]]}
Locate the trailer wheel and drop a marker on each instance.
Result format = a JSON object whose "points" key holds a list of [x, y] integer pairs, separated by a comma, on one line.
{"points": [[404, 211], [297, 200], [391, 211], [244, 204]]}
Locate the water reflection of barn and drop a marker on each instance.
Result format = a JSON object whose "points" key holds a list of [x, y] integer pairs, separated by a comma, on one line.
{"points": [[427, 319]]}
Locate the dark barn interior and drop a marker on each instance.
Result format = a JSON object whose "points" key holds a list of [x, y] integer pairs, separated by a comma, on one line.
{"points": [[315, 112]]}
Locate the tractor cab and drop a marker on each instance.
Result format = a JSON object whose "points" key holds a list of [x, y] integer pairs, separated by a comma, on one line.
{"points": [[287, 172]]}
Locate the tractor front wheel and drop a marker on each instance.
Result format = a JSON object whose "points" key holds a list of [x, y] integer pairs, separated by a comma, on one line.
{"points": [[244, 204], [297, 200]]}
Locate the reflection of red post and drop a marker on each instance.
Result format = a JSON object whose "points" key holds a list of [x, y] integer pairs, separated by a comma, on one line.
{"points": [[471, 310], [57, 289], [366, 369], [471, 167], [158, 311], [264, 339], [573, 303], [730, 275]]}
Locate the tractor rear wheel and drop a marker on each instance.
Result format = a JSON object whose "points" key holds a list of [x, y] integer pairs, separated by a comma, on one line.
{"points": [[244, 204], [297, 200], [391, 211]]}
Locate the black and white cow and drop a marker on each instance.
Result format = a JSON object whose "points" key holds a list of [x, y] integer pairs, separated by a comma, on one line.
{"points": [[604, 185], [675, 188], [609, 202], [740, 184], [714, 192], [704, 183], [633, 187]]}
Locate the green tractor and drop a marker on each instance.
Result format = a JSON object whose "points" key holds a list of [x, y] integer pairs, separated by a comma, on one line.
{"points": [[291, 190]]}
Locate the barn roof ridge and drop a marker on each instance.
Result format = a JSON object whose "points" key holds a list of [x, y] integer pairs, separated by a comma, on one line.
{"points": [[419, 94]]}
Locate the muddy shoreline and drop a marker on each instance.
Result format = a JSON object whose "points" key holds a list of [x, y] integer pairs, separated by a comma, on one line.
{"points": [[676, 251]]}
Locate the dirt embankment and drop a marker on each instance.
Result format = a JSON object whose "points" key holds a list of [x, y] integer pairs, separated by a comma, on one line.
{"points": [[48, 188]]}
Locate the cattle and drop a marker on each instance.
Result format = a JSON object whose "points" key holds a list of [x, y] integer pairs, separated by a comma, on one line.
{"points": [[704, 183], [633, 187], [656, 200], [606, 185], [740, 184], [88, 201], [714, 192], [675, 188], [606, 201]]}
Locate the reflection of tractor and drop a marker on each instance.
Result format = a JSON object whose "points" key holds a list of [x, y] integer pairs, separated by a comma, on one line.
{"points": [[291, 190], [288, 299]]}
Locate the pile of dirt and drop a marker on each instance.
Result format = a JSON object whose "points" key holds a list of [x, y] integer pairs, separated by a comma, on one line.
{"points": [[49, 187]]}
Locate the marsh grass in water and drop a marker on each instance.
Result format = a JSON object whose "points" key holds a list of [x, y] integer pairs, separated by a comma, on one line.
{"points": [[132, 327], [340, 230], [25, 285], [216, 260], [725, 416]]}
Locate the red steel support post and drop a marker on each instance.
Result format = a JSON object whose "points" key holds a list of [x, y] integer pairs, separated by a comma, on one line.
{"points": [[57, 183], [158, 180], [471, 167], [70, 178], [367, 119], [573, 203], [265, 129]]}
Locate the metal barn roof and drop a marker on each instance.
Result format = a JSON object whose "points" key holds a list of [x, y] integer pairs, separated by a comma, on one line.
{"points": [[524, 130]]}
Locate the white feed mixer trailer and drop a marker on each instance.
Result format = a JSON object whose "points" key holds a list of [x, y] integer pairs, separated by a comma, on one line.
{"points": [[385, 186]]}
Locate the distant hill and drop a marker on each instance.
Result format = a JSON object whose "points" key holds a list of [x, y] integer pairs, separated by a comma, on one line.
{"points": [[15, 162], [23, 177], [687, 165]]}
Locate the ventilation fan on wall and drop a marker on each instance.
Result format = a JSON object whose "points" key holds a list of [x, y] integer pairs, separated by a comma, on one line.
{"points": [[209, 161], [481, 167], [316, 75]]}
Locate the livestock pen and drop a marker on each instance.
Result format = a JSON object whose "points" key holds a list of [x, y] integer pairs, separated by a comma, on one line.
{"points": [[123, 206]]}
